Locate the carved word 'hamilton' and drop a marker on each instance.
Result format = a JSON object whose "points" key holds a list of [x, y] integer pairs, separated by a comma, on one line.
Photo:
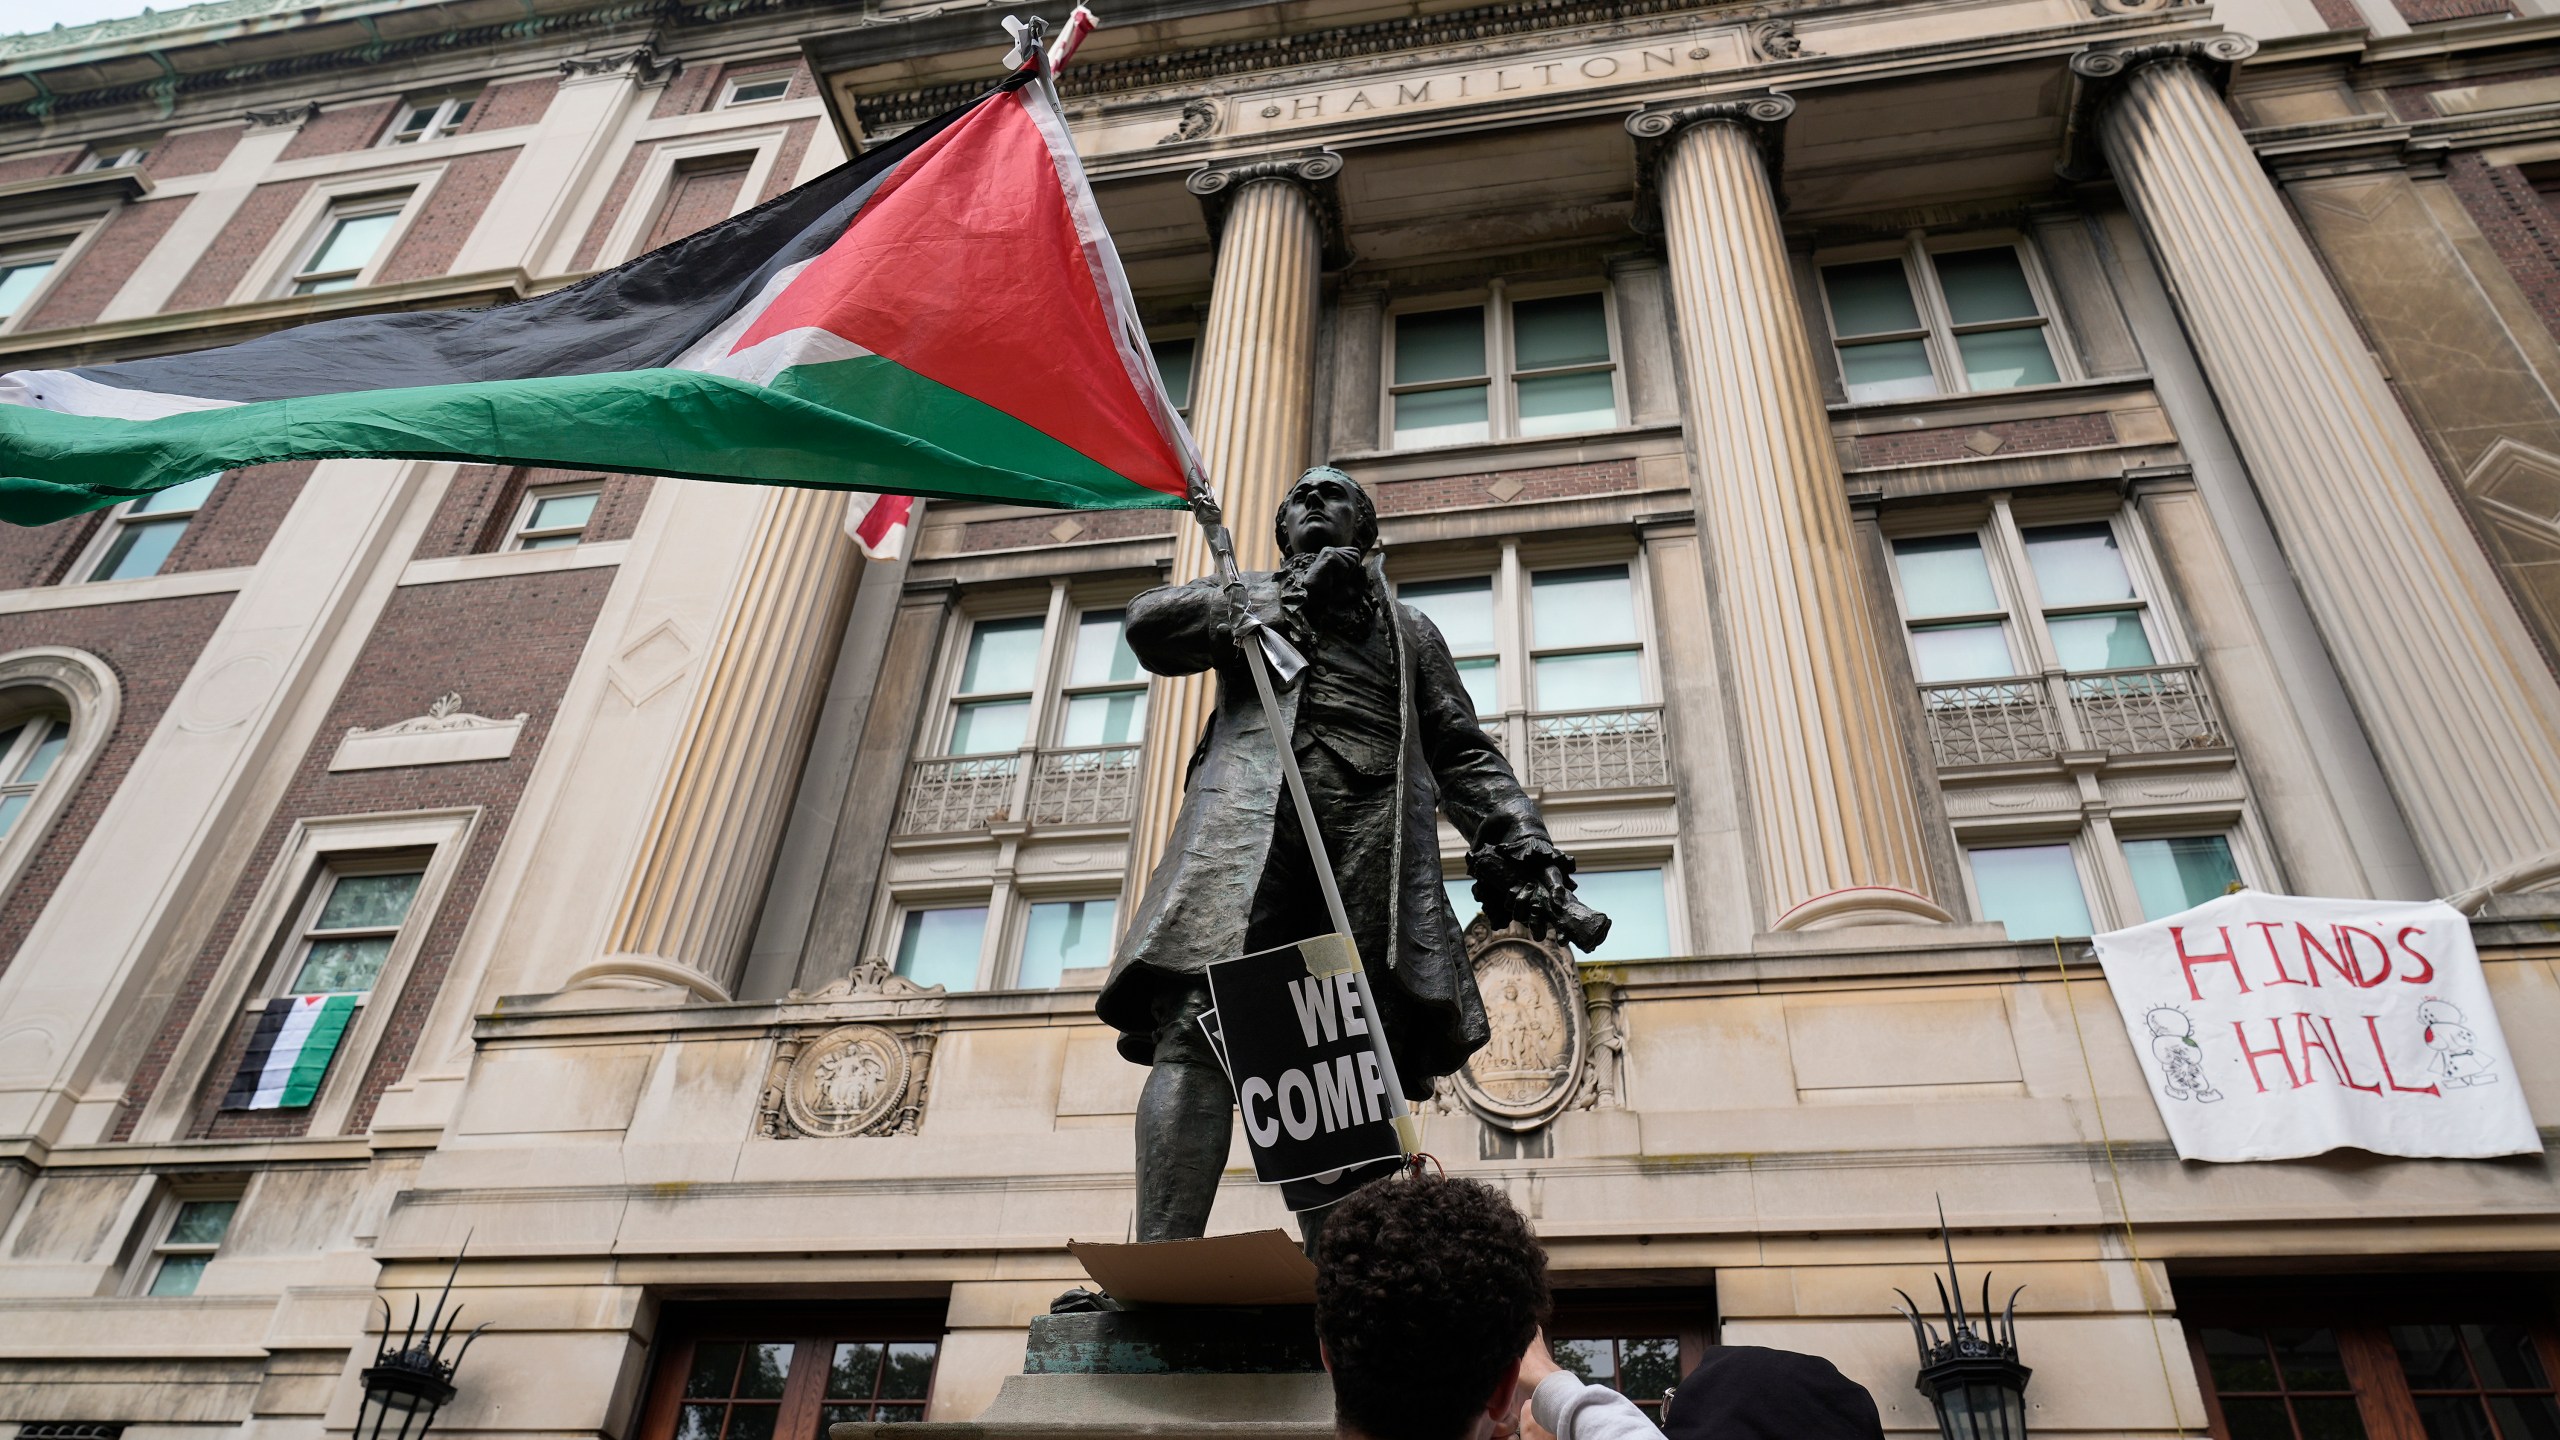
{"points": [[1657, 60]]}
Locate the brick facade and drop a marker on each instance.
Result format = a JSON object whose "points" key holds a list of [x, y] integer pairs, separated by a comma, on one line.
{"points": [[481, 504], [511, 103], [227, 260], [192, 152], [528, 631], [37, 167], [786, 160], [1031, 531], [106, 264], [2338, 14], [461, 197], [38, 556], [699, 88], [2519, 224], [703, 192], [1474, 492], [616, 196], [337, 131], [1974, 442], [151, 645], [2436, 12], [240, 517]]}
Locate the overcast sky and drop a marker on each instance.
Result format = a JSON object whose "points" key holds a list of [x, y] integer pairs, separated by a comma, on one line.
{"points": [[22, 15]]}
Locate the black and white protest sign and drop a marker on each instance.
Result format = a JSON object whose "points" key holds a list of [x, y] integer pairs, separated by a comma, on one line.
{"points": [[1313, 1079]]}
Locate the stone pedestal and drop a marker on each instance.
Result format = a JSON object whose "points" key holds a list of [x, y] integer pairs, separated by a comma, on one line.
{"points": [[1171, 1371]]}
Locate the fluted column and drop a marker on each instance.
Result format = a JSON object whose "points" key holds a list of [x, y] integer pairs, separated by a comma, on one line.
{"points": [[688, 907], [1252, 411], [1837, 830], [2460, 710]]}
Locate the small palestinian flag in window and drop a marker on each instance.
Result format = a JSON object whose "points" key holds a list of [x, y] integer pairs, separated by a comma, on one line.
{"points": [[289, 1052]]}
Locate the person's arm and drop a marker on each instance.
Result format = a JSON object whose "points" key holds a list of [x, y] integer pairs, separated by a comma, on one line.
{"points": [[1181, 629], [1558, 1406], [1478, 790]]}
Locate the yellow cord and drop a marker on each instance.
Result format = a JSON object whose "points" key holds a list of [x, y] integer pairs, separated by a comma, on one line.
{"points": [[2123, 1211]]}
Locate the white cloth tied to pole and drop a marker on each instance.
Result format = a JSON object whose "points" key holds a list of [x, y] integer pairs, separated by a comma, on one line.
{"points": [[2271, 1027]]}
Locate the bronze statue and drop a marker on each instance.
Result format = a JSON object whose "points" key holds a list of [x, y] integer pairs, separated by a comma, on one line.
{"points": [[1385, 736]]}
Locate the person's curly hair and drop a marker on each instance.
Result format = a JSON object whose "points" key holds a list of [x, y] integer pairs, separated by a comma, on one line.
{"points": [[1427, 1289]]}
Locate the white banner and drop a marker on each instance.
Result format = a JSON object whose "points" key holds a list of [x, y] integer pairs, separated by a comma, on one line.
{"points": [[2277, 1026]]}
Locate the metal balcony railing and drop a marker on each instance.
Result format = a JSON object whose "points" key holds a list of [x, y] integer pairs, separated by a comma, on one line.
{"points": [[2149, 710], [1620, 749], [1086, 785]]}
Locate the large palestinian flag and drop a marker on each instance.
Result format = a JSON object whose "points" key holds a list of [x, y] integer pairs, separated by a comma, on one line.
{"points": [[944, 316]]}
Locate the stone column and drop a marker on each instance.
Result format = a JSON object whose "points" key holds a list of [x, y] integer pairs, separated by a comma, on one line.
{"points": [[1836, 830], [2461, 712], [689, 904], [1252, 413]]}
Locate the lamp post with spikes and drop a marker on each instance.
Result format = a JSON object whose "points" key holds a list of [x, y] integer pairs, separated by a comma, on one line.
{"points": [[1972, 1377], [412, 1377]]}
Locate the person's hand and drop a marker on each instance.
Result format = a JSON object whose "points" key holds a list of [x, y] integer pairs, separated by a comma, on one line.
{"points": [[1536, 1363], [1334, 571]]}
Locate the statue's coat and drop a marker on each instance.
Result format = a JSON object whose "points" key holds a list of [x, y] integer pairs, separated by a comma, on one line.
{"points": [[1200, 897]]}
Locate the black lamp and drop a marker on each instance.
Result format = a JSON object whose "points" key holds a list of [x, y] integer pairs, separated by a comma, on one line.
{"points": [[1972, 1378], [412, 1378]]}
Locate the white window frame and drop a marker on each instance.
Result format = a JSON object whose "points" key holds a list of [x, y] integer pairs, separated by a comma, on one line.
{"points": [[118, 520], [443, 125], [1502, 419], [173, 1197], [2000, 529], [521, 533], [2097, 853], [731, 85], [116, 155], [258, 963], [649, 197], [1514, 624], [1937, 325], [359, 207], [1012, 926], [304, 230], [64, 681], [1592, 858], [56, 250], [1066, 606], [299, 935]]}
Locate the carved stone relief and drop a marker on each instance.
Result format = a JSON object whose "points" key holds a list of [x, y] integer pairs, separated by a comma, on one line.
{"points": [[1199, 118], [868, 1073], [1555, 1041]]}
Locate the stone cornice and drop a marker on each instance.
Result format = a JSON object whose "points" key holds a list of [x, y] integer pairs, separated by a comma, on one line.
{"points": [[1186, 71]]}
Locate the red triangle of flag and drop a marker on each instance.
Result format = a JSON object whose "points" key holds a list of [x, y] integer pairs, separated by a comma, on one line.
{"points": [[967, 268]]}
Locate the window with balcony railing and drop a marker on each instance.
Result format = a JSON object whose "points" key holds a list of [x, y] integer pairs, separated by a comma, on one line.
{"points": [[2036, 637], [1042, 724], [1556, 658]]}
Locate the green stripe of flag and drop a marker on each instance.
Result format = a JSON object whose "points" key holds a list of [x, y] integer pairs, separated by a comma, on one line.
{"points": [[864, 423], [311, 1062]]}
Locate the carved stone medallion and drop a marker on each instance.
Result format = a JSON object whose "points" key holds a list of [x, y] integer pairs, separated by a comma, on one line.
{"points": [[845, 1082], [1532, 1066]]}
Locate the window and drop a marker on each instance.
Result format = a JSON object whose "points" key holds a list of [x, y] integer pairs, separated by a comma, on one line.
{"points": [[1636, 902], [30, 749], [991, 708], [22, 273], [429, 117], [2180, 872], [1581, 648], [349, 239], [2388, 1357], [755, 89], [1173, 362], [942, 947], [2088, 613], [140, 534], [1063, 935], [189, 1237], [2032, 890], [349, 928], [1939, 319], [699, 193], [1638, 1343], [1503, 369], [114, 155], [555, 517], [1106, 691], [787, 1372]]}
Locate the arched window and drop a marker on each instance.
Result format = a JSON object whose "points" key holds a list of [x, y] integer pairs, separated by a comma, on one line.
{"points": [[57, 709]]}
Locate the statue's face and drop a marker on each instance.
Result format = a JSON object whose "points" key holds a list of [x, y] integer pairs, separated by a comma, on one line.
{"points": [[1320, 510]]}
